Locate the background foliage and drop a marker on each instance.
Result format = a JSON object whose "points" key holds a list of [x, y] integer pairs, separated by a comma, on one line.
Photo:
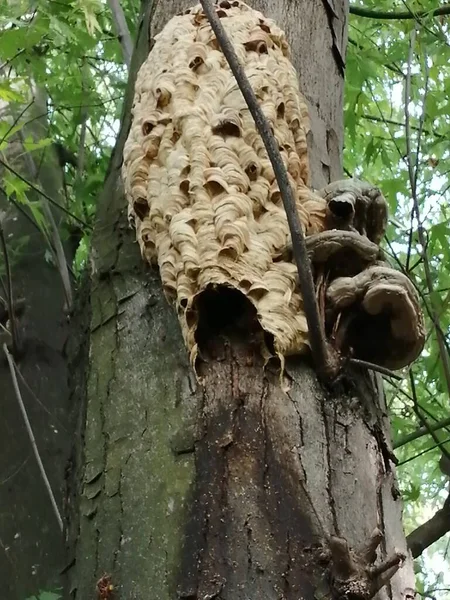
{"points": [[397, 115]]}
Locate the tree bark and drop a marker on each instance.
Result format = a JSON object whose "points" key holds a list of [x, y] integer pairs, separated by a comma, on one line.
{"points": [[231, 489]]}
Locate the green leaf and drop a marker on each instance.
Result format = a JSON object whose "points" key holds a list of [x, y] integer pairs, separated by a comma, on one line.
{"points": [[31, 145], [7, 130], [8, 94], [14, 185]]}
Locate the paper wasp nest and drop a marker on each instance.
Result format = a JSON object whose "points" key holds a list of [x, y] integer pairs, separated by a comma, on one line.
{"points": [[207, 209], [201, 189]]}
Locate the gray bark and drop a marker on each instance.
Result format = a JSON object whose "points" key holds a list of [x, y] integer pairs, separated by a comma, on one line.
{"points": [[228, 490]]}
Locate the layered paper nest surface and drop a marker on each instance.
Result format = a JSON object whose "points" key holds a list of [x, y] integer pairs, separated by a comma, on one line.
{"points": [[202, 192]]}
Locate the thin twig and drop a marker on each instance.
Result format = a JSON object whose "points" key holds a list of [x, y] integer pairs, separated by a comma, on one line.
{"points": [[83, 123], [409, 459], [420, 432], [16, 120], [407, 98], [422, 118], [15, 472], [44, 195], [9, 61], [421, 418], [378, 368], [412, 180], [41, 404], [402, 125], [393, 66], [31, 436], [321, 354]]}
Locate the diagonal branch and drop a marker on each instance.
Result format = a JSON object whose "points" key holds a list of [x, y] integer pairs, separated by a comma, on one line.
{"points": [[420, 432], [12, 370], [375, 14], [385, 121], [411, 458], [321, 354], [431, 531]]}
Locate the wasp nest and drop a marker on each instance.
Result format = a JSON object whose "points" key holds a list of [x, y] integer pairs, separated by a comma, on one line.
{"points": [[201, 190]]}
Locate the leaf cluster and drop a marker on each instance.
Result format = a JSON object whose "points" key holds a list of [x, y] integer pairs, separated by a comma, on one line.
{"points": [[397, 118]]}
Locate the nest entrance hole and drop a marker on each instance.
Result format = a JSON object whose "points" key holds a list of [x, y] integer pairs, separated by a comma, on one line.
{"points": [[226, 316]]}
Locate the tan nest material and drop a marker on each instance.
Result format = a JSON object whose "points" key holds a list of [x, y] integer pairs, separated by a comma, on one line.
{"points": [[201, 190]]}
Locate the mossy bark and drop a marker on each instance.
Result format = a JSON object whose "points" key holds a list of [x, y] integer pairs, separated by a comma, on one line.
{"points": [[226, 490]]}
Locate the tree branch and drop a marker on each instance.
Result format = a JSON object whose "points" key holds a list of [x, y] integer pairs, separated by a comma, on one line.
{"points": [[407, 460], [83, 116], [31, 435], [400, 124], [420, 432], [123, 32], [431, 531], [375, 14], [321, 354], [378, 368]]}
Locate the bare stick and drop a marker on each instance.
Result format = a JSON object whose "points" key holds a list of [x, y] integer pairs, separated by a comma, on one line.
{"points": [[407, 460], [378, 368], [321, 355], [420, 432], [31, 435]]}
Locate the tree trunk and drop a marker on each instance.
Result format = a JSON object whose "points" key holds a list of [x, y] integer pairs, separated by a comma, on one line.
{"points": [[32, 545], [230, 489]]}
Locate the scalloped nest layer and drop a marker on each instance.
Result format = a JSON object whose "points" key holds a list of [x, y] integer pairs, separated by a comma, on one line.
{"points": [[202, 192]]}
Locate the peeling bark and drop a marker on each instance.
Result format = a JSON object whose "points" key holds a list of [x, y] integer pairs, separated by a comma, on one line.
{"points": [[232, 489]]}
